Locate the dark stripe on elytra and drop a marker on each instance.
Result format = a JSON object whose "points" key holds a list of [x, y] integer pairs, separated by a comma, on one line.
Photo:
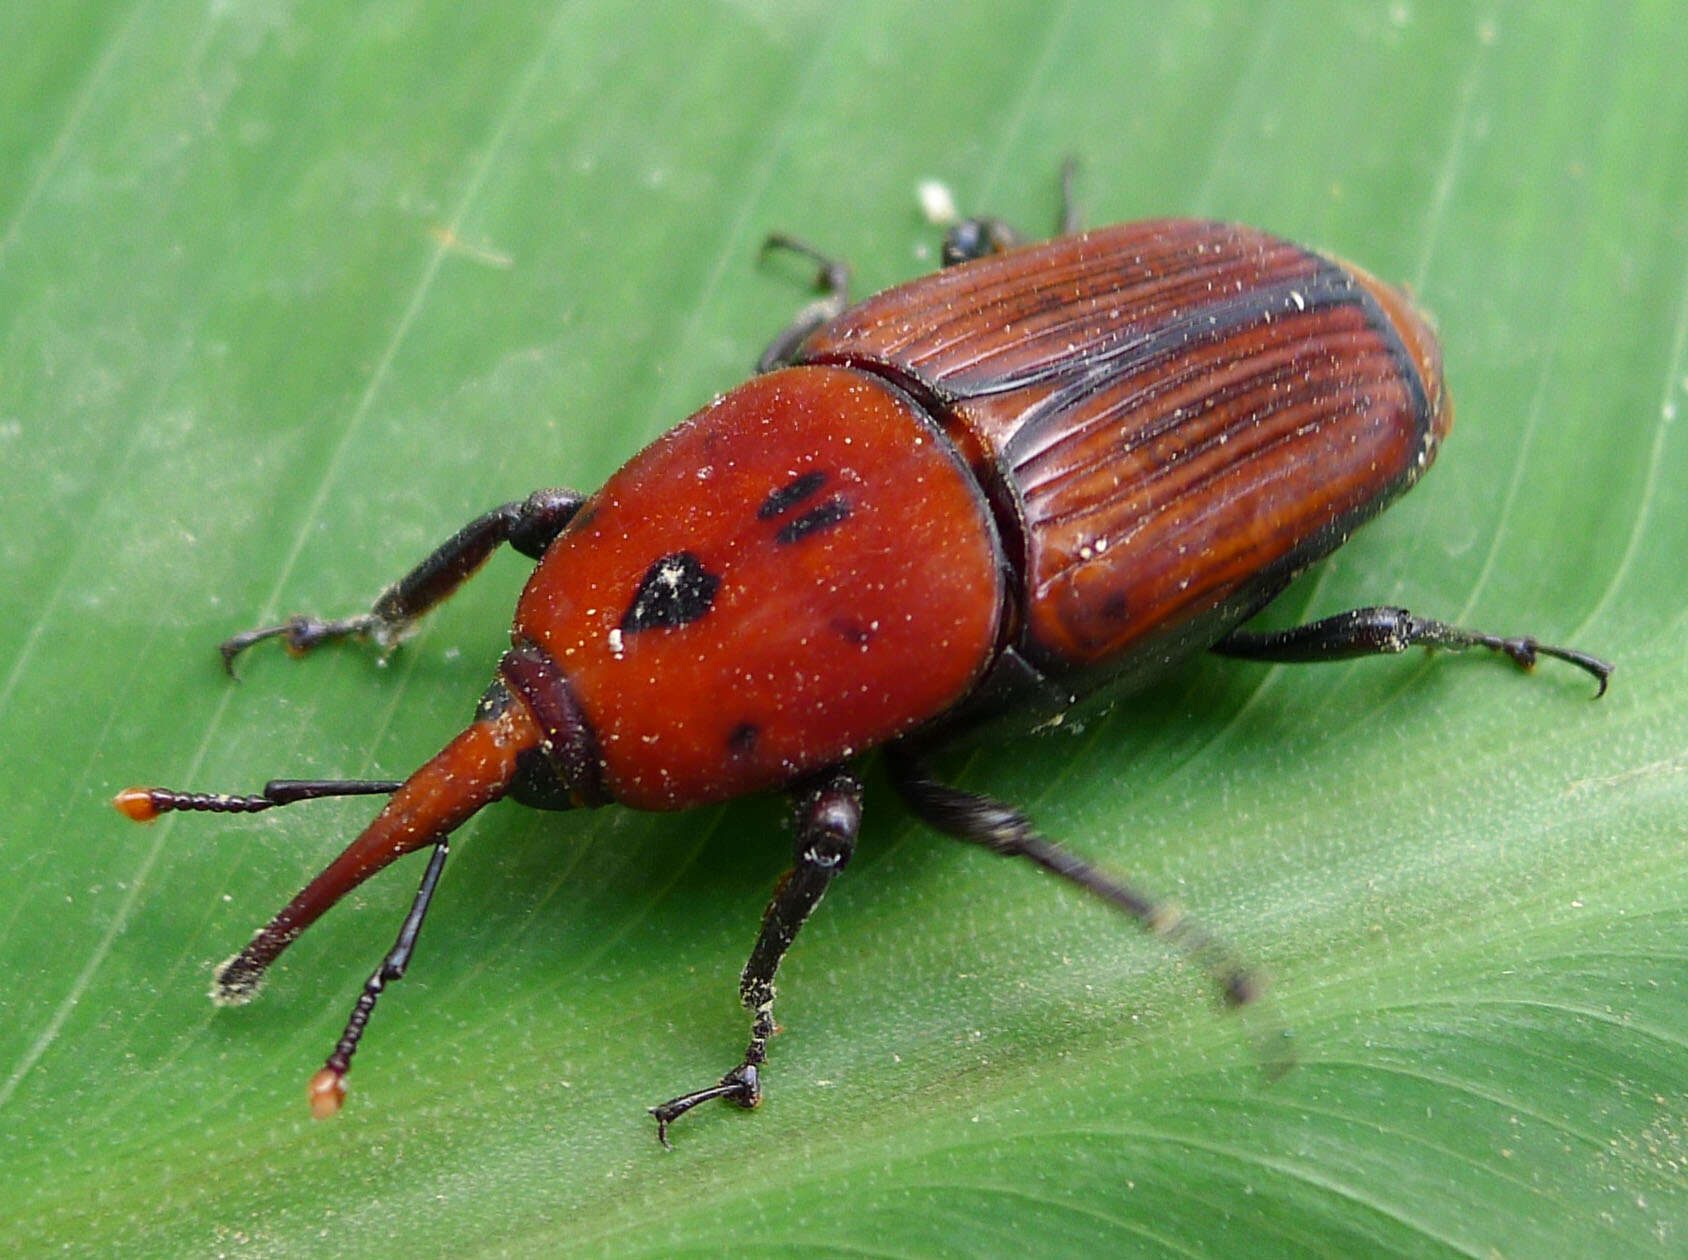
{"points": [[828, 513], [791, 494], [1321, 289], [1418, 389], [675, 590]]}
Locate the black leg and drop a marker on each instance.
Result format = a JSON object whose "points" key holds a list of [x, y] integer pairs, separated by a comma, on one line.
{"points": [[982, 235], [978, 236], [829, 814], [963, 241], [1072, 218], [1384, 631], [327, 1089], [834, 283], [1002, 829], [145, 804], [529, 526]]}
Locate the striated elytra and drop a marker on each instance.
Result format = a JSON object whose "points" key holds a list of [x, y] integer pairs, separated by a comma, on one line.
{"points": [[1045, 474]]}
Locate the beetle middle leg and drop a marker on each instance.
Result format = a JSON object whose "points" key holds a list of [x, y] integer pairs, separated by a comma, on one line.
{"points": [[1002, 829], [829, 815], [1384, 631], [529, 525]]}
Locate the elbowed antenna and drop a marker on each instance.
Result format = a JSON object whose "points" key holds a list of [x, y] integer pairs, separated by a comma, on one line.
{"points": [[472, 771]]}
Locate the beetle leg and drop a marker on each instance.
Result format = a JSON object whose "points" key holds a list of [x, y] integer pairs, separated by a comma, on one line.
{"points": [[979, 236], [1383, 631], [1072, 218], [982, 235], [829, 815], [529, 525], [1005, 830], [834, 282]]}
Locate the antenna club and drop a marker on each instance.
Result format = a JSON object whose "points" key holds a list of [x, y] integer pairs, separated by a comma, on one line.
{"points": [[136, 804], [326, 1092]]}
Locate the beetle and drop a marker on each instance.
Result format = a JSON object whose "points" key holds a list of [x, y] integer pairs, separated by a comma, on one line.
{"points": [[1042, 476]]}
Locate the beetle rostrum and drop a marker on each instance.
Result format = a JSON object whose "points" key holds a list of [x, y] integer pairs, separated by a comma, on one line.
{"points": [[1047, 472]]}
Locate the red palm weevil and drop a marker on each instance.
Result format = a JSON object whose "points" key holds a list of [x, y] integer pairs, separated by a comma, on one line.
{"points": [[1046, 473]]}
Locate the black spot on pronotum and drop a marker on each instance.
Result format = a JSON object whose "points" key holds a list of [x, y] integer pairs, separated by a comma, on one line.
{"points": [[742, 741], [828, 513], [675, 590], [853, 631], [790, 494]]}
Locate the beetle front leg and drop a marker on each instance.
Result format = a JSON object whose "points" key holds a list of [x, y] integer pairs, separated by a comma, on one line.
{"points": [[529, 525], [1383, 631], [829, 816]]}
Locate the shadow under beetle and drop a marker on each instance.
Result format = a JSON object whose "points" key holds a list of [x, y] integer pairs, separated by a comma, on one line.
{"points": [[1044, 472]]}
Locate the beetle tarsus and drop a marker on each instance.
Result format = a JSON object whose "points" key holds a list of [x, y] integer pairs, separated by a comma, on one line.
{"points": [[1525, 651], [743, 1085], [300, 635]]}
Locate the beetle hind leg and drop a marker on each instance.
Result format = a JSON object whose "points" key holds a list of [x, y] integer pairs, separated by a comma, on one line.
{"points": [[1384, 631], [1005, 830], [829, 815]]}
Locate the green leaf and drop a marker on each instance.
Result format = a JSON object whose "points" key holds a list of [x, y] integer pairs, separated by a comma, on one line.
{"points": [[289, 291]]}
